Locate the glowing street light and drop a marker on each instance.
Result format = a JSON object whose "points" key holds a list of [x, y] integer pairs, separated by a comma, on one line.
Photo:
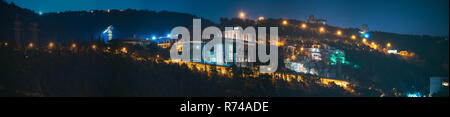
{"points": [[30, 45], [242, 15], [339, 32], [261, 18], [94, 46], [74, 45], [353, 37], [366, 35], [388, 45], [322, 29], [51, 44], [285, 22], [278, 43], [403, 53], [364, 40], [124, 50], [304, 26]]}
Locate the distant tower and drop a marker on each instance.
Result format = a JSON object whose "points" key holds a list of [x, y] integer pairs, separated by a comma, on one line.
{"points": [[364, 31], [34, 32], [311, 18], [110, 35], [17, 31], [364, 28], [437, 84], [109, 32]]}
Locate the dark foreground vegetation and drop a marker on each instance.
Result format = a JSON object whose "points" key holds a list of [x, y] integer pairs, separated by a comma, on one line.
{"points": [[99, 74]]}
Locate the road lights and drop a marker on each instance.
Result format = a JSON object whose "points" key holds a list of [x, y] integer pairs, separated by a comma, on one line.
{"points": [[124, 50], [242, 15], [51, 44], [374, 46], [30, 45], [261, 18], [353, 37], [285, 22], [303, 26], [322, 29], [74, 45]]}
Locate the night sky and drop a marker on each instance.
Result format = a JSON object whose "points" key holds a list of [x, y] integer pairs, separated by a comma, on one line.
{"points": [[400, 16]]}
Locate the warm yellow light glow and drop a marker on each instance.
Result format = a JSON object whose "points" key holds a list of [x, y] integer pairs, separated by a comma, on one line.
{"points": [[353, 37], [285, 22], [261, 18], [94, 46], [374, 46], [51, 44], [124, 50], [322, 29], [301, 49], [6, 43], [30, 45], [364, 40], [403, 53], [373, 43], [74, 45], [388, 45], [279, 43], [339, 33], [242, 15], [304, 26]]}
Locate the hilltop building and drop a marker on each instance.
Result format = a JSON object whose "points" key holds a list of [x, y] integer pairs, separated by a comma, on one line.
{"points": [[437, 84], [313, 20]]}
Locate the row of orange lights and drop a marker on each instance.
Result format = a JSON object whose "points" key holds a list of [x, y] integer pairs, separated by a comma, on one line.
{"points": [[51, 45], [339, 32], [321, 29]]}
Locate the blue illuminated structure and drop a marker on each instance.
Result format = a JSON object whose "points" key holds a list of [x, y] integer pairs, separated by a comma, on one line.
{"points": [[366, 35], [108, 32], [416, 94]]}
